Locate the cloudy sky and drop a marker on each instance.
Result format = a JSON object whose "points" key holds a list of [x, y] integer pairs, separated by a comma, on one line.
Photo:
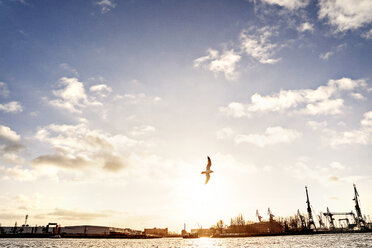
{"points": [[108, 109]]}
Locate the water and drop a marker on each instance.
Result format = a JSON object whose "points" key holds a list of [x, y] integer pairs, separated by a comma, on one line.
{"points": [[309, 241]]}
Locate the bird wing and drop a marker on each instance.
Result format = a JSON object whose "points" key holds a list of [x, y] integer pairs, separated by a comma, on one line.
{"points": [[208, 176], [209, 164]]}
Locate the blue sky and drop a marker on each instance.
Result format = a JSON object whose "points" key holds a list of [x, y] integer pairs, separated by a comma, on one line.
{"points": [[108, 109]]}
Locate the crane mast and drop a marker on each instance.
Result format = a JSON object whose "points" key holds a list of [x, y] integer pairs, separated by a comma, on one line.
{"points": [[331, 219], [258, 216], [359, 218], [309, 212], [271, 216], [321, 224], [301, 218]]}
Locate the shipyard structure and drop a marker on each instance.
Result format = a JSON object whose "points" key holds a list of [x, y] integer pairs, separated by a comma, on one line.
{"points": [[309, 222], [54, 230], [83, 231]]}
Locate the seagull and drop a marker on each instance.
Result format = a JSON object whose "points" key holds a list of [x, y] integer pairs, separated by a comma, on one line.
{"points": [[208, 171]]}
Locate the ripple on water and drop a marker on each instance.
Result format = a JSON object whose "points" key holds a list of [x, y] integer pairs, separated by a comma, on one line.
{"points": [[309, 241]]}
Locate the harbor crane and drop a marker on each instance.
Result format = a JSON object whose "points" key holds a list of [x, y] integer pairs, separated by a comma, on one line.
{"points": [[331, 219], [271, 216], [321, 224], [309, 212], [330, 215], [26, 218], [259, 217], [360, 222], [302, 219], [359, 218]]}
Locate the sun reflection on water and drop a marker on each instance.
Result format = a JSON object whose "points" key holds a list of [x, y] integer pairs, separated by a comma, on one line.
{"points": [[205, 242]]}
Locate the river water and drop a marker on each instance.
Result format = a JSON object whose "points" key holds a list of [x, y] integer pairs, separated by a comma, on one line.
{"points": [[305, 241]]}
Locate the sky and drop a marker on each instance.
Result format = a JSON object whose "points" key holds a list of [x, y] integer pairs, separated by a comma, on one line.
{"points": [[109, 109]]}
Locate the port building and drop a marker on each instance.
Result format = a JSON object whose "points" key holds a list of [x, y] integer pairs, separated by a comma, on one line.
{"points": [[163, 232], [87, 230]]}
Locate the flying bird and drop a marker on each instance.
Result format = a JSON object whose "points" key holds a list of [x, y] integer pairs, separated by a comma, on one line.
{"points": [[208, 171]]}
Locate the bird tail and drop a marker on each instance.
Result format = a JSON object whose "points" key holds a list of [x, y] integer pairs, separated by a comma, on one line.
{"points": [[204, 172]]}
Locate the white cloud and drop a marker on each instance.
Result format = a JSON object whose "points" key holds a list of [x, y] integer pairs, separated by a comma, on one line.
{"points": [[226, 63], [143, 130], [320, 101], [214, 62], [225, 133], [337, 165], [234, 109], [69, 68], [347, 83], [11, 141], [351, 137], [72, 96], [106, 5], [367, 35], [317, 125], [34, 113], [77, 147], [334, 50], [272, 136], [276, 102], [289, 4], [325, 56], [362, 136], [12, 158], [17, 173], [325, 174], [10, 146], [257, 44], [101, 89], [254, 42], [73, 92], [367, 120], [62, 161], [306, 26], [4, 92], [30, 201], [11, 107], [138, 98], [346, 15], [357, 96], [325, 107], [8, 134]]}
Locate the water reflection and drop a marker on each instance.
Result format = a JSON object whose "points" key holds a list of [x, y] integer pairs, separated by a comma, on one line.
{"points": [[310, 241]]}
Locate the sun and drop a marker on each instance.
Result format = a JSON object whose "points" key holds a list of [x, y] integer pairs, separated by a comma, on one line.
{"points": [[200, 203]]}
